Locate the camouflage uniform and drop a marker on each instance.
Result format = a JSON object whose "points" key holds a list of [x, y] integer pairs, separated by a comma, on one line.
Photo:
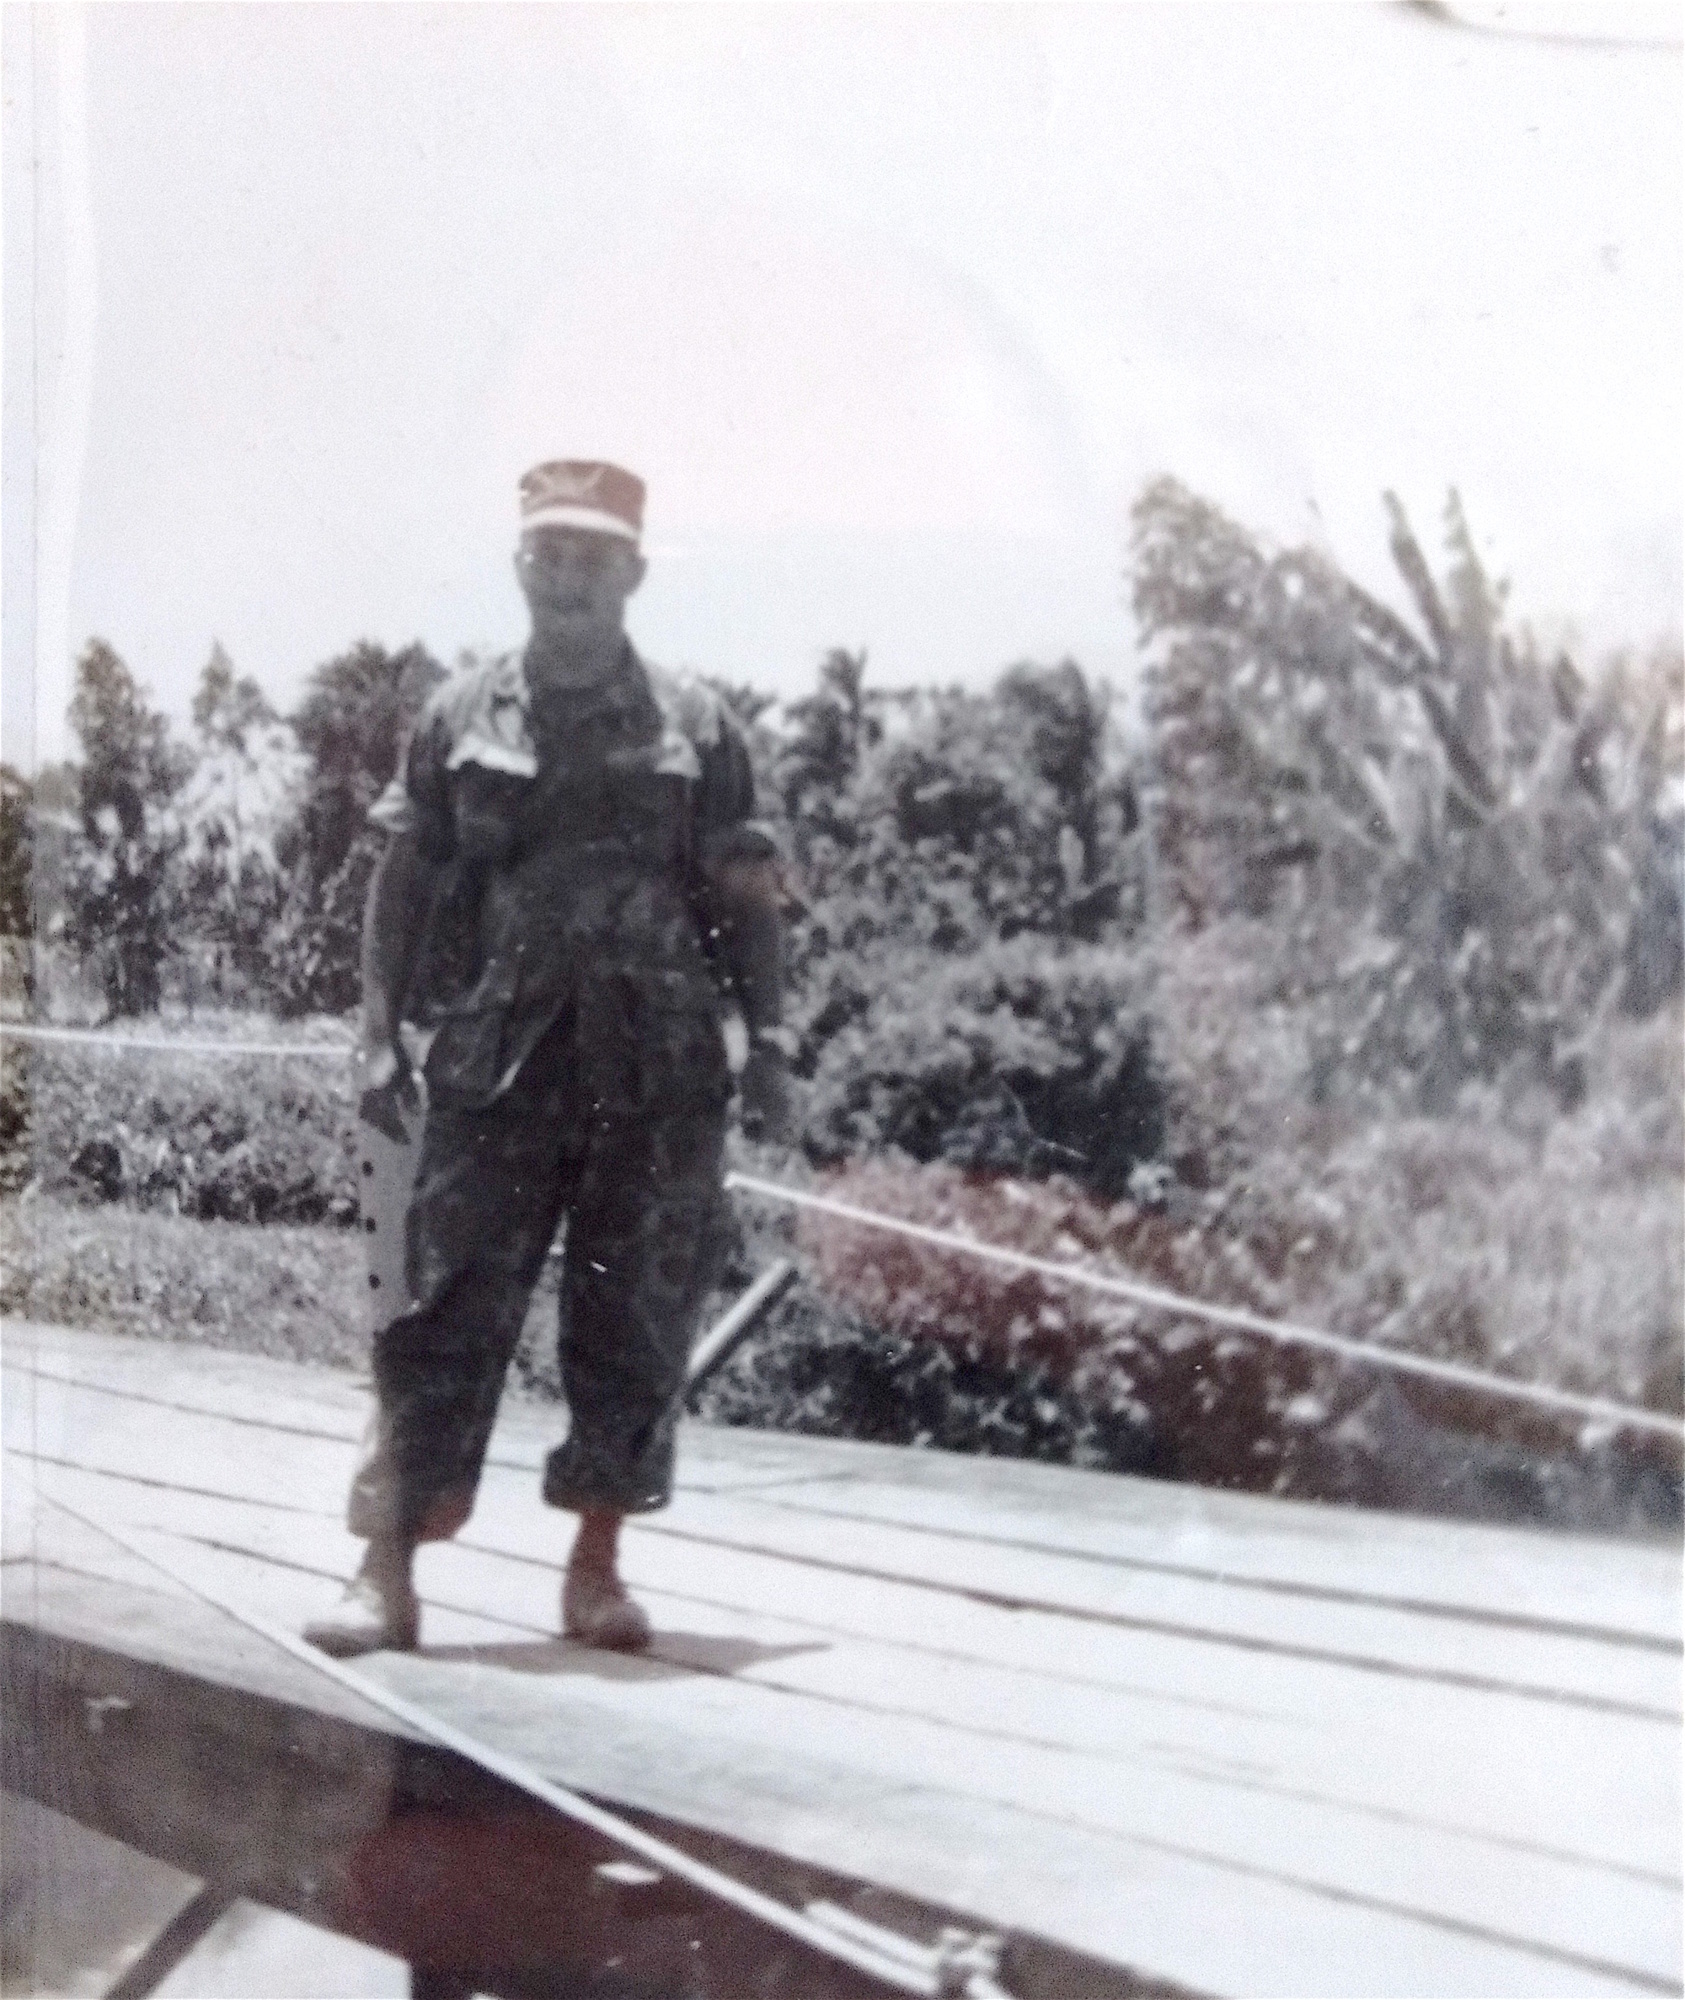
{"points": [[577, 1070]]}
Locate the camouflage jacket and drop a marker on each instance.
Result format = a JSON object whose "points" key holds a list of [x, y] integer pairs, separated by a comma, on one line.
{"points": [[570, 837]]}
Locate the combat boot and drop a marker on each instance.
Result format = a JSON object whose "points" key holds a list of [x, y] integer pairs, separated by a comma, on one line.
{"points": [[379, 1613], [597, 1611]]}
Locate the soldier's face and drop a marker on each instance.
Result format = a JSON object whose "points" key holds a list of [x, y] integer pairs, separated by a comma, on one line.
{"points": [[572, 578]]}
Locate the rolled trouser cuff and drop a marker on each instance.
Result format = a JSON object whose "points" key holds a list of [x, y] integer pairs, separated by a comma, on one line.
{"points": [[584, 1482], [579, 1485]]}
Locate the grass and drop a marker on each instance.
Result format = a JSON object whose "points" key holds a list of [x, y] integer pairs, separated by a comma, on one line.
{"points": [[285, 1290]]}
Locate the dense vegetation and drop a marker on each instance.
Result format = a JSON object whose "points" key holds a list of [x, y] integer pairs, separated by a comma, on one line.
{"points": [[1345, 984], [235, 1139]]}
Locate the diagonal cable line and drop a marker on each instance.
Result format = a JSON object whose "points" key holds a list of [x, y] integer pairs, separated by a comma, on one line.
{"points": [[739, 1895], [1623, 1416]]}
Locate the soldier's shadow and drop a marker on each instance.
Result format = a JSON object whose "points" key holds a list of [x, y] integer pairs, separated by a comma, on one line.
{"points": [[671, 1655]]}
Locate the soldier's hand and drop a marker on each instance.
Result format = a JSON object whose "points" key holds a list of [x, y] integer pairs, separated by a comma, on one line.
{"points": [[388, 1090], [763, 1089]]}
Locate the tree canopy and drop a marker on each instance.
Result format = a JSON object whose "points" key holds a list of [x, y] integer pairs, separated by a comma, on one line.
{"points": [[1466, 837]]}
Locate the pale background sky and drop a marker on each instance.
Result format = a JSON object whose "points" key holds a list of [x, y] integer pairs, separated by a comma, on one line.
{"points": [[895, 308]]}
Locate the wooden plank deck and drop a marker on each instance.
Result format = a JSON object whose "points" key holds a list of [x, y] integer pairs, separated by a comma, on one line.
{"points": [[1248, 1746]]}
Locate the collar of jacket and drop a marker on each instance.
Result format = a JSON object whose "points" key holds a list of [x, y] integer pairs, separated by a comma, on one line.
{"points": [[493, 722]]}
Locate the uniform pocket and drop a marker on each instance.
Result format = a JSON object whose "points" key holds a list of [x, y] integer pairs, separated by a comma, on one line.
{"points": [[676, 1050]]}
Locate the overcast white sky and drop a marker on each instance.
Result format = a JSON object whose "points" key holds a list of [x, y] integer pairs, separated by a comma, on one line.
{"points": [[894, 307]]}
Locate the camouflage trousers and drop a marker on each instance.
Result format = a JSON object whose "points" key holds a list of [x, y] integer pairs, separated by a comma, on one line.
{"points": [[639, 1186]]}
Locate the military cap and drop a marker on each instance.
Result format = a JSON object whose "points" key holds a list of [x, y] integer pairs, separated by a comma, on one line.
{"points": [[583, 493]]}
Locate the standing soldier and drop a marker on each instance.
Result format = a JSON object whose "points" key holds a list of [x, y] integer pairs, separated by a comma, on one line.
{"points": [[588, 819]]}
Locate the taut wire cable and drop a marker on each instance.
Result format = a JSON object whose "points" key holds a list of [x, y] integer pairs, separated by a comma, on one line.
{"points": [[1239, 1319]]}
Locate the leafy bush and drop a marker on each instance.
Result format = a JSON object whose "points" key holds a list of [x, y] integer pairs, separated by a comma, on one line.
{"points": [[1015, 1059], [315, 940], [1548, 1255], [819, 1368], [1505, 1231], [946, 819], [1236, 1013], [1175, 1397], [954, 852], [241, 1139]]}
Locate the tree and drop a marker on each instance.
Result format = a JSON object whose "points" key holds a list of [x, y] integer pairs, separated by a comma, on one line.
{"points": [[17, 850], [226, 710], [128, 761], [1062, 721], [117, 891], [1458, 833], [961, 854], [244, 788], [830, 730], [1269, 723], [356, 715]]}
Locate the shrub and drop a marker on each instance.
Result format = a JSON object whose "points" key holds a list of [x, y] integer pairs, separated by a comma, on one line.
{"points": [[1172, 1396], [1547, 1255], [241, 1139], [1015, 1059], [946, 819], [297, 1294], [818, 1368]]}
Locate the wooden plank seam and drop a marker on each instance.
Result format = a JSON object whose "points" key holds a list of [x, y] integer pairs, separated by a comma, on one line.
{"points": [[961, 1966]]}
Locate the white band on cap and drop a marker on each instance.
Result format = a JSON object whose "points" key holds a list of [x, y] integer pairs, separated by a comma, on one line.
{"points": [[559, 516]]}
